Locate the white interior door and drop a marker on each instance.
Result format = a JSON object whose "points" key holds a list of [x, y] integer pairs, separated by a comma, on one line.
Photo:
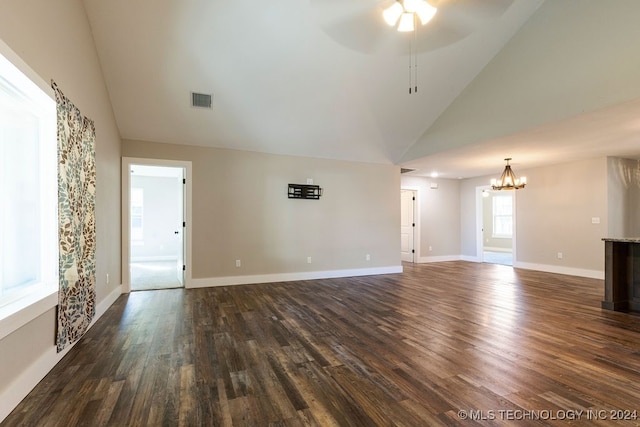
{"points": [[180, 227], [407, 225]]}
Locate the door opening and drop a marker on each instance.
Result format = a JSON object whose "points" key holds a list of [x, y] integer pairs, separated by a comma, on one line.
{"points": [[497, 226], [155, 224], [156, 235]]}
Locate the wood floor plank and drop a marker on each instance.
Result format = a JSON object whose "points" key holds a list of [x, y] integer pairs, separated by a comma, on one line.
{"points": [[441, 344]]}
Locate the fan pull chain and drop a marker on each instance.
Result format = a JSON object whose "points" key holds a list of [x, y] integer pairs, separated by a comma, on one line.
{"points": [[413, 58], [415, 53], [410, 63]]}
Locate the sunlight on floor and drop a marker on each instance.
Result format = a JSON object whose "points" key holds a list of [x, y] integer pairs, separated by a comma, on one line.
{"points": [[504, 258]]}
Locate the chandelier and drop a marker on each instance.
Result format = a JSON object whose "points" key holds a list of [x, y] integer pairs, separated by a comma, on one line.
{"points": [[508, 180], [406, 14]]}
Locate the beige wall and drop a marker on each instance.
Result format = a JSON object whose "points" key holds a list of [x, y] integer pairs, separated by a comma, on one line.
{"points": [[553, 214], [554, 217], [54, 39], [241, 211], [439, 216]]}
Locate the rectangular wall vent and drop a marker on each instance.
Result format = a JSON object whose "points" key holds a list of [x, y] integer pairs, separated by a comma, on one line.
{"points": [[403, 170], [201, 100]]}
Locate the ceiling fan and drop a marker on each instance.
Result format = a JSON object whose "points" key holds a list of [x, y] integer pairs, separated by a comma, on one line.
{"points": [[359, 24]]}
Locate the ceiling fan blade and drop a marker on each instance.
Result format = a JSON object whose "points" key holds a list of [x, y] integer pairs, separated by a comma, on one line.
{"points": [[356, 24]]}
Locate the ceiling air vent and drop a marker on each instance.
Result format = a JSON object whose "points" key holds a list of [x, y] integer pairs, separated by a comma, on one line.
{"points": [[201, 100]]}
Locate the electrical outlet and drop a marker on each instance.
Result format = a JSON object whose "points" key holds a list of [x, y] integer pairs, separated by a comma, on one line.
{"points": [[308, 260], [368, 257], [559, 255], [430, 248], [107, 278], [238, 263]]}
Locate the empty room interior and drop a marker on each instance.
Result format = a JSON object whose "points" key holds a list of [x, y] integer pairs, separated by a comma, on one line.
{"points": [[328, 212]]}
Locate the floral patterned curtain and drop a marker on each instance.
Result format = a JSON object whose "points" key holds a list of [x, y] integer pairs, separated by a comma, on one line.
{"points": [[76, 223]]}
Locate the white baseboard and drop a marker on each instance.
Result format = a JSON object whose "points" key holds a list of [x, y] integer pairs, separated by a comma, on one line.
{"points": [[27, 380], [288, 277], [490, 249], [442, 258], [154, 258], [580, 272]]}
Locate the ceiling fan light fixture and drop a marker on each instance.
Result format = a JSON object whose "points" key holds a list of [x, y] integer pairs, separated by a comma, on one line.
{"points": [[408, 12], [406, 22], [425, 12], [392, 14], [406, 9], [412, 6]]}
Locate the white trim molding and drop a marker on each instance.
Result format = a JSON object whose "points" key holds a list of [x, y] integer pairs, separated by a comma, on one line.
{"points": [[591, 274], [441, 258], [289, 277], [494, 249], [17, 314]]}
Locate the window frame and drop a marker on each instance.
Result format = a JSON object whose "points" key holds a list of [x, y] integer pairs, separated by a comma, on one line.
{"points": [[137, 238], [24, 306]]}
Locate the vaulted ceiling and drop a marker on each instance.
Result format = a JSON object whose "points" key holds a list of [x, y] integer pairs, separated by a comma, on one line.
{"points": [[537, 81]]}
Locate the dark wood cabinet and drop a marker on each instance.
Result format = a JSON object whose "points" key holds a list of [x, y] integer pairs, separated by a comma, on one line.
{"points": [[622, 274]]}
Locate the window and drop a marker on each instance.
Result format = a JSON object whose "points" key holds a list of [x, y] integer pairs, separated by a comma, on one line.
{"points": [[28, 188], [137, 210], [503, 216]]}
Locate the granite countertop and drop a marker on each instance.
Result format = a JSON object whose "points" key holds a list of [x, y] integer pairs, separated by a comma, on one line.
{"points": [[622, 239]]}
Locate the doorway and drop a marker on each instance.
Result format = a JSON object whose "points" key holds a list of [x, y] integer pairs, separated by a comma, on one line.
{"points": [[497, 226], [407, 225], [155, 220]]}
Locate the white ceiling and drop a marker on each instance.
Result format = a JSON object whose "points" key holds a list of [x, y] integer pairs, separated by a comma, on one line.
{"points": [[612, 131], [321, 78]]}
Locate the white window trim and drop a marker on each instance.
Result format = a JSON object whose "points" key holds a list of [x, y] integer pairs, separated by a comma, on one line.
{"points": [[15, 315], [18, 313]]}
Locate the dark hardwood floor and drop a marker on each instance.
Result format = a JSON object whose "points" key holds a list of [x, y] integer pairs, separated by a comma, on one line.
{"points": [[451, 343]]}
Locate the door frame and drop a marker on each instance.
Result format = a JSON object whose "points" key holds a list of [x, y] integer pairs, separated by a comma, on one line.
{"points": [[126, 215], [416, 219], [480, 222]]}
